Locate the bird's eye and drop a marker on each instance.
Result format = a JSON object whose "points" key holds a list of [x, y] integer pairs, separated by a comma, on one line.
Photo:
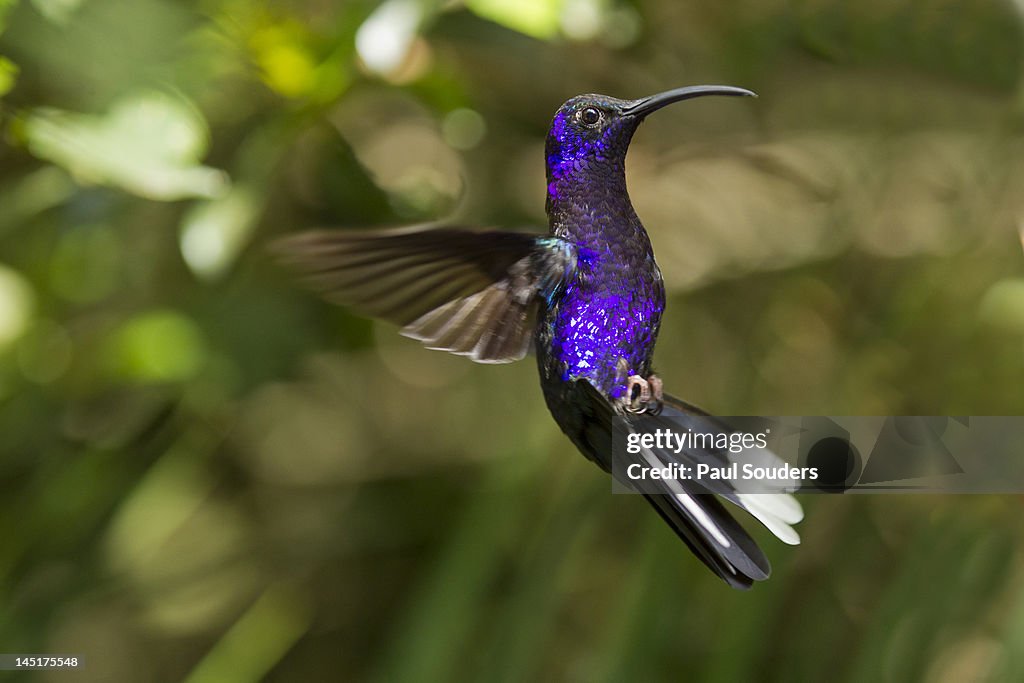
{"points": [[589, 116]]}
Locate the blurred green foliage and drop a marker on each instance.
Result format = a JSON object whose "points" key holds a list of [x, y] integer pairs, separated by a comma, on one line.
{"points": [[209, 475]]}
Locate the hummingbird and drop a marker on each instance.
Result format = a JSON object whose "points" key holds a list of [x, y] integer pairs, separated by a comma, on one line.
{"points": [[587, 298]]}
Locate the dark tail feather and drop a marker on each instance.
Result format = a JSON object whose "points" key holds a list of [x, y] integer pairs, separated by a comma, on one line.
{"points": [[694, 513], [741, 566]]}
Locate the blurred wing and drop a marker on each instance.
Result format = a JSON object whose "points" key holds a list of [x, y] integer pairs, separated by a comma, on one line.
{"points": [[470, 293]]}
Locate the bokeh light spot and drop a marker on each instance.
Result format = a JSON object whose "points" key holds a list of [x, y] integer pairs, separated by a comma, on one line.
{"points": [[157, 346], [1002, 306], [385, 38], [214, 232], [16, 304], [463, 129]]}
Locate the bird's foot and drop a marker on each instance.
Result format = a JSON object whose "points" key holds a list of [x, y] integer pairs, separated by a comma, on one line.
{"points": [[643, 395]]}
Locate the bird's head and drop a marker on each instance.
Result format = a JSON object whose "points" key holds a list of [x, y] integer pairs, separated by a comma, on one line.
{"points": [[592, 132]]}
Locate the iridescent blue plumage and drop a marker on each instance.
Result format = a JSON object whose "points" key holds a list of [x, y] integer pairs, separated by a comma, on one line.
{"points": [[588, 298], [604, 326]]}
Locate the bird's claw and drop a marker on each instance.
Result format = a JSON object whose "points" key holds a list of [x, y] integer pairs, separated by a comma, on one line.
{"points": [[643, 395]]}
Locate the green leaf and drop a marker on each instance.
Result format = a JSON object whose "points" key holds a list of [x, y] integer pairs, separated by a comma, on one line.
{"points": [[16, 305], [537, 18], [8, 74], [149, 144], [157, 346], [258, 640]]}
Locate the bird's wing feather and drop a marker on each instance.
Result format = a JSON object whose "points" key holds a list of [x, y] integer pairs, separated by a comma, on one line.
{"points": [[692, 508], [470, 293]]}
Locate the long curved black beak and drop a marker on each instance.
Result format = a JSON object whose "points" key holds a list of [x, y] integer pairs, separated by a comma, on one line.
{"points": [[644, 106]]}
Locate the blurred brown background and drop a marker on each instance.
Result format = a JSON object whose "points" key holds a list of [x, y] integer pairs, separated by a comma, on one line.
{"points": [[207, 474]]}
